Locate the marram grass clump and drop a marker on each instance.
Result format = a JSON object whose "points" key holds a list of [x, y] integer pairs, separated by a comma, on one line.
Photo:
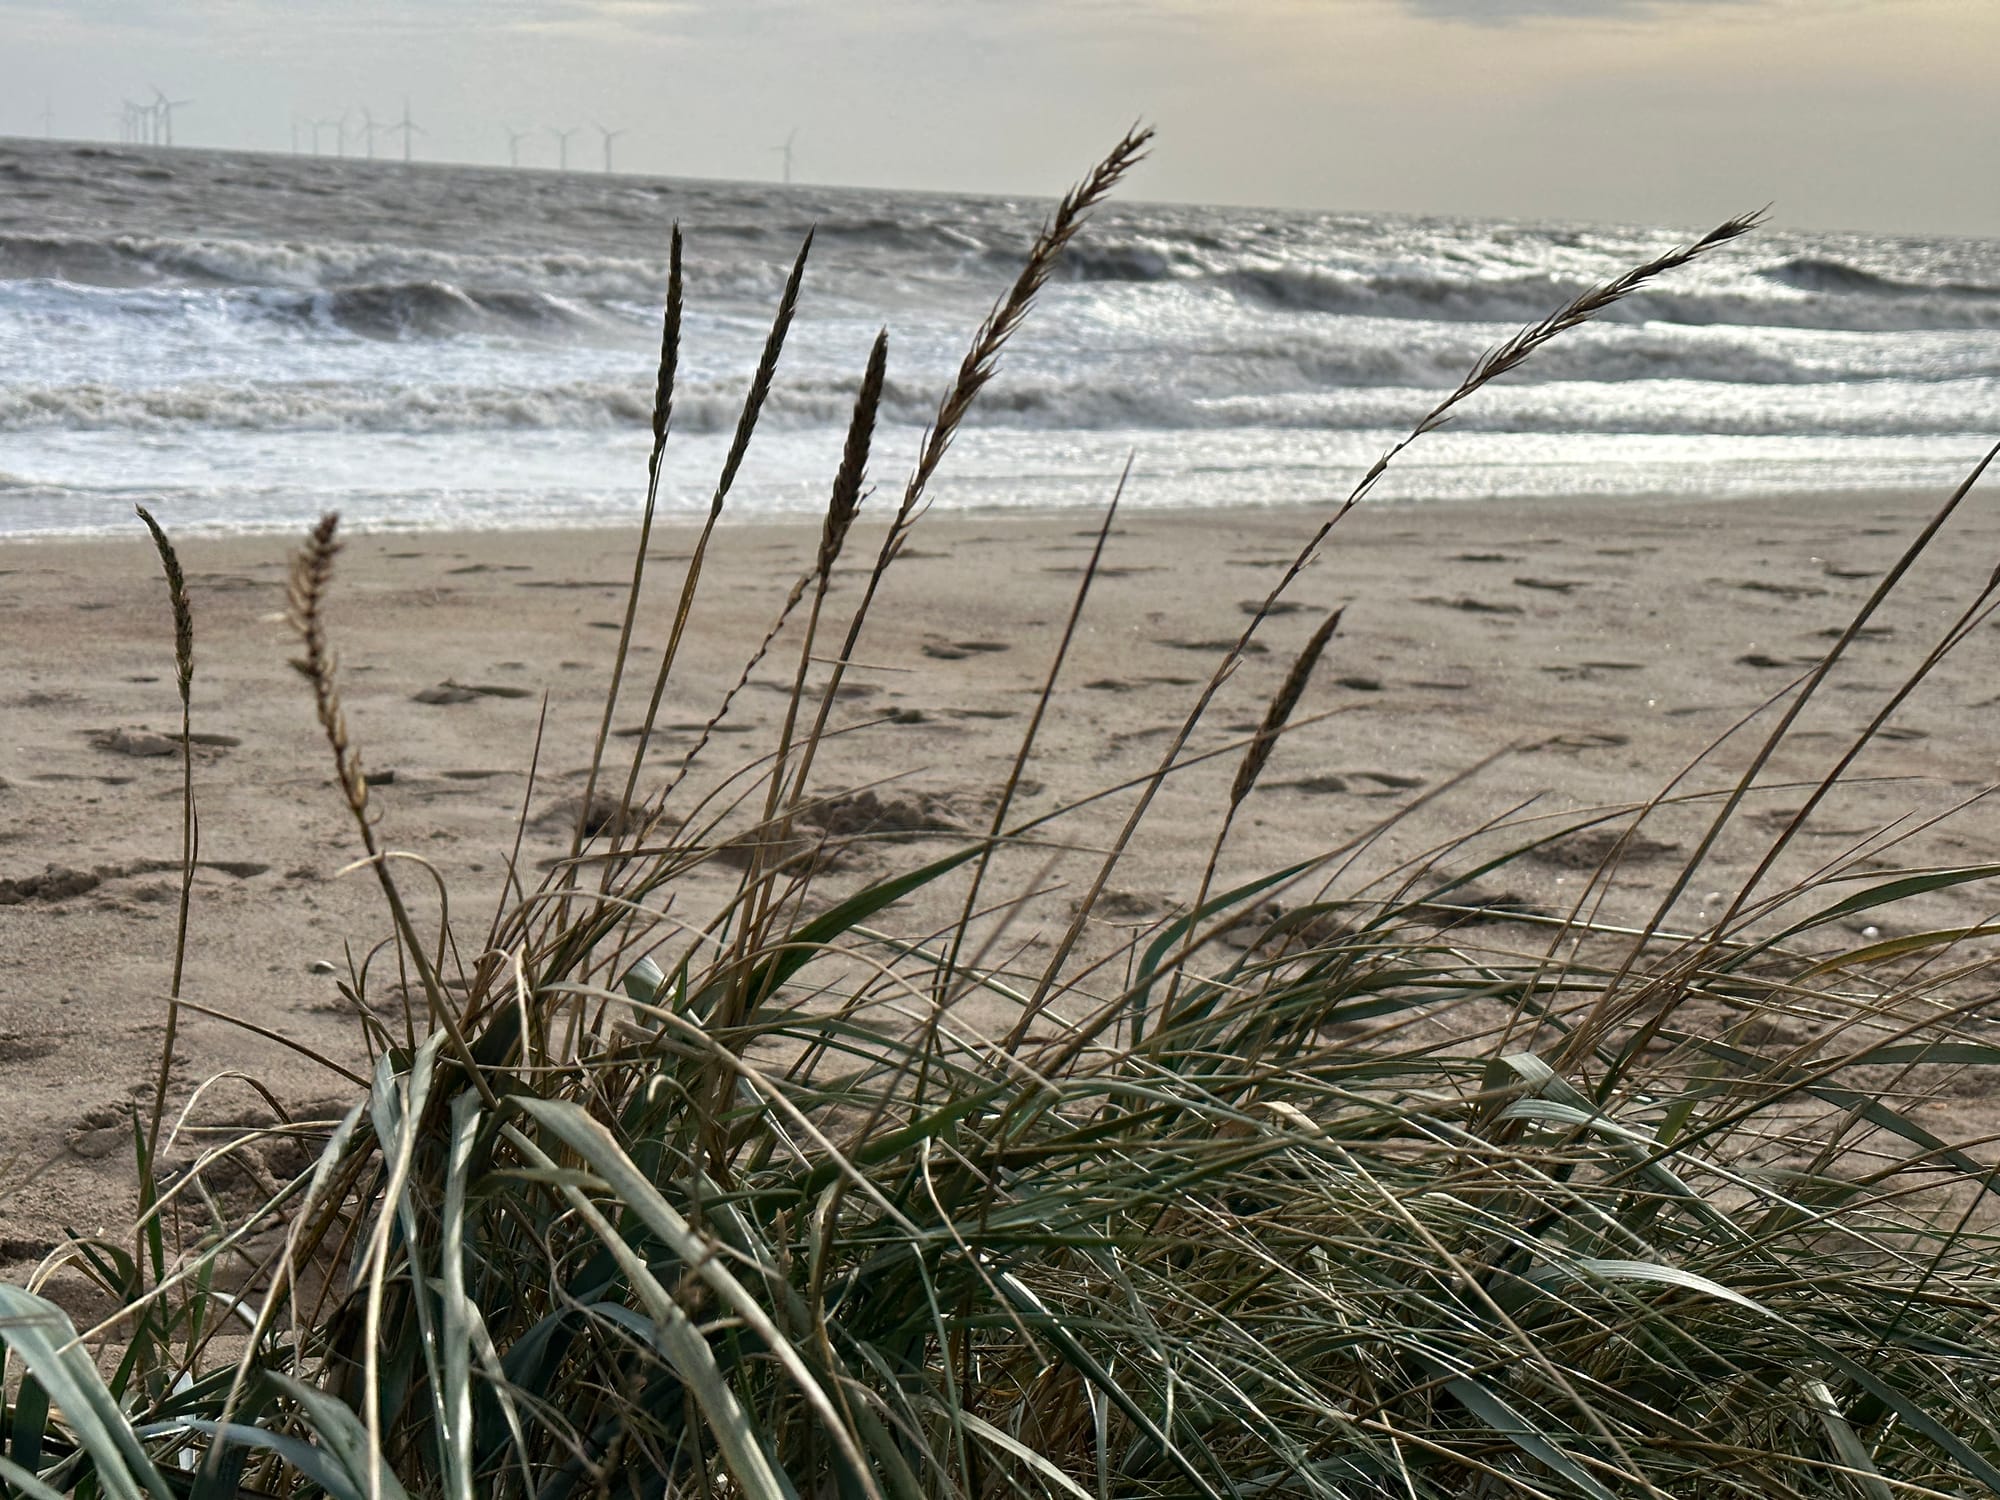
{"points": [[740, 1207]]}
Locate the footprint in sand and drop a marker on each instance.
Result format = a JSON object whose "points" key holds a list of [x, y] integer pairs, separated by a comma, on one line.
{"points": [[99, 1132], [1272, 610], [1766, 663], [138, 743], [960, 650], [490, 568], [464, 692], [1485, 557], [1551, 585], [56, 883], [692, 728], [1377, 784], [1471, 606], [1584, 671], [1780, 590], [1591, 848], [1577, 741], [1865, 633], [1102, 571], [144, 743], [1255, 648]]}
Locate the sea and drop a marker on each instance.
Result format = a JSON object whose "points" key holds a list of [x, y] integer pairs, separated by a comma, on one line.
{"points": [[243, 341]]}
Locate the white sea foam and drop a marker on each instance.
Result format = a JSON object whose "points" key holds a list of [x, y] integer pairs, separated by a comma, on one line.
{"points": [[438, 343]]}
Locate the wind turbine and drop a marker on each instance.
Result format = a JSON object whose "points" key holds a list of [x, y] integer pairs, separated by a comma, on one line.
{"points": [[406, 127], [163, 111], [514, 139], [609, 137], [786, 152], [369, 129], [48, 117], [562, 139]]}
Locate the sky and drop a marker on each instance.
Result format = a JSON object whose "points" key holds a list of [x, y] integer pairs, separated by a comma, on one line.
{"points": [[1857, 114]]}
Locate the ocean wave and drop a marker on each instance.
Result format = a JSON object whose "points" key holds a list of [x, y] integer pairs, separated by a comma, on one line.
{"points": [[1049, 403], [129, 260], [432, 309], [1804, 292]]}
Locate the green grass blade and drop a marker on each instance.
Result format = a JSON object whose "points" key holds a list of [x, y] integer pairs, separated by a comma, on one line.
{"points": [[595, 1145], [30, 1420], [1847, 1444], [344, 1438], [43, 1336], [455, 1311], [24, 1481], [1497, 1414], [683, 1345], [313, 1463]]}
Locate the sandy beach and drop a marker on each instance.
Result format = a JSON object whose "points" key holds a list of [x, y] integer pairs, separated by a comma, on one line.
{"points": [[1590, 649]]}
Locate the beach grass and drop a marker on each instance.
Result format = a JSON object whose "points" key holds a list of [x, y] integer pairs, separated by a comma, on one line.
{"points": [[1376, 1192]]}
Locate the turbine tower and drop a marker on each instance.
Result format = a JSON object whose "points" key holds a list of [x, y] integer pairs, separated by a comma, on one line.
{"points": [[48, 117], [406, 127], [369, 129], [163, 112], [785, 151], [562, 145], [609, 137], [514, 139]]}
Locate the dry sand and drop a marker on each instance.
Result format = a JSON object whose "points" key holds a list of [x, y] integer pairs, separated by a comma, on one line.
{"points": [[1599, 645]]}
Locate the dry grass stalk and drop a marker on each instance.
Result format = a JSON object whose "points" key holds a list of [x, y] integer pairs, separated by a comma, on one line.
{"points": [[974, 371], [746, 426], [311, 577], [663, 405], [845, 502], [1277, 714], [842, 507], [1280, 711], [1495, 363], [177, 596], [670, 354]]}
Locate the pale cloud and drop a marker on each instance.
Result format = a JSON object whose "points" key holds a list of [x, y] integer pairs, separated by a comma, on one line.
{"points": [[1506, 12], [1846, 112]]}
